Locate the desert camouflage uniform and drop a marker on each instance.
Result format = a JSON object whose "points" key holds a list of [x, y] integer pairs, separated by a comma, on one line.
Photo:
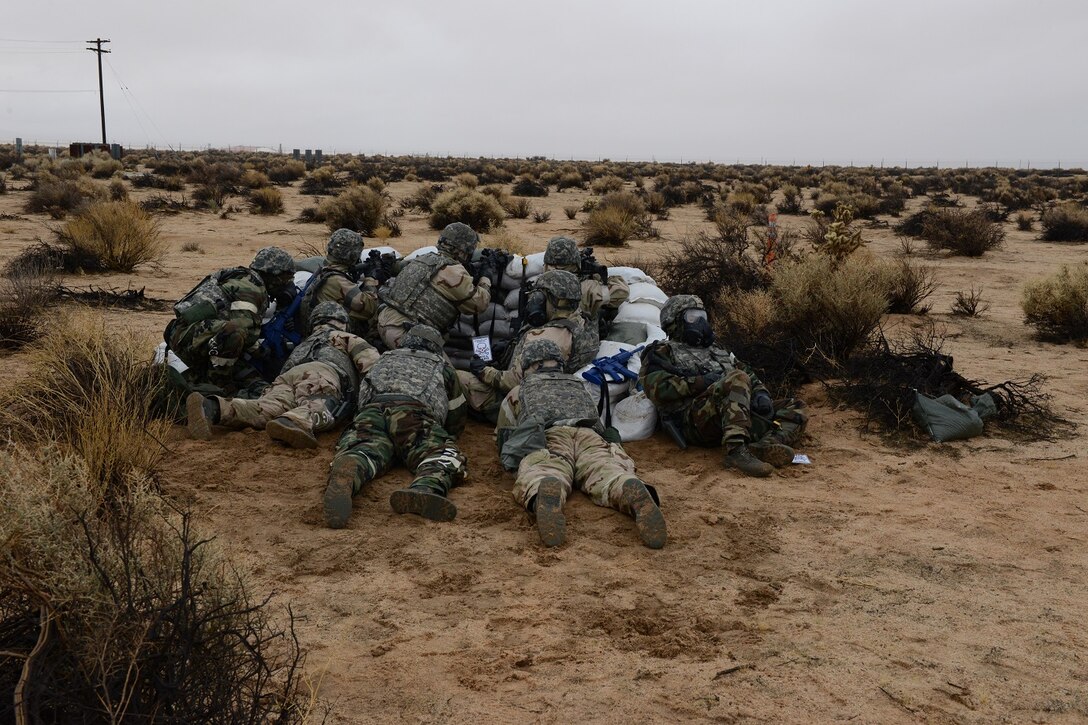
{"points": [[451, 292], [334, 283], [719, 413], [393, 425], [309, 390], [562, 253]]}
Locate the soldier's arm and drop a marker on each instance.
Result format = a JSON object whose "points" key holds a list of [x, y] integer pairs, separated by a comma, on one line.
{"points": [[503, 380], [662, 383], [455, 284], [248, 303], [361, 301], [757, 384], [361, 352], [458, 412], [617, 291]]}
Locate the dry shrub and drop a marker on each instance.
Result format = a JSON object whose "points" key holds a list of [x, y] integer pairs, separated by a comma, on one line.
{"points": [[118, 191], [539, 217], [92, 390], [606, 184], [116, 610], [908, 285], [192, 247], [57, 197], [964, 233], [322, 181], [253, 179], [571, 211], [793, 202], [505, 240], [1065, 223], [423, 197], [969, 304], [119, 235], [706, 265], [26, 290], [468, 206], [286, 171], [570, 180], [616, 218], [467, 180], [358, 207], [1024, 221], [525, 186], [105, 168], [518, 208], [1057, 306], [267, 201]]}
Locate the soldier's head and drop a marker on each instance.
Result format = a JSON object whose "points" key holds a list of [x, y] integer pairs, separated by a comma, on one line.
{"points": [[458, 240], [555, 294], [683, 318], [275, 267], [345, 247], [541, 356], [562, 253], [423, 337], [329, 314]]}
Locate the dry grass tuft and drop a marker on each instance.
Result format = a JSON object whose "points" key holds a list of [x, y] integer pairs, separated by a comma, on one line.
{"points": [[25, 292], [120, 235], [1057, 306], [358, 207], [504, 239], [468, 206], [267, 201]]}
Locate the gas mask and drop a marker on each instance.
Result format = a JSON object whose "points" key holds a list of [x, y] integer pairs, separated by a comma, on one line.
{"points": [[695, 328], [536, 308]]}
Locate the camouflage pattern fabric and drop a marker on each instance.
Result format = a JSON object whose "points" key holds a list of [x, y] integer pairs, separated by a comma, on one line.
{"points": [[550, 398], [345, 247], [273, 262], [385, 433], [334, 283], [412, 373], [345, 353], [562, 253], [308, 394], [458, 241]]}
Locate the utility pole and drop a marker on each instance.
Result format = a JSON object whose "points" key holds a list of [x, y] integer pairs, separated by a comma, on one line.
{"points": [[101, 95]]}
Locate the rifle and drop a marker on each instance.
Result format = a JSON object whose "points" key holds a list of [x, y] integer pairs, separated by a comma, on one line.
{"points": [[589, 266], [379, 266], [607, 370]]}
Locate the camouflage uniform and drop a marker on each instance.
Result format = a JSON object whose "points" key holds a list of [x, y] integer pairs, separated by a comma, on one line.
{"points": [[305, 399], [562, 253], [433, 289], [219, 321], [577, 338], [335, 282], [708, 393], [552, 421], [411, 410]]}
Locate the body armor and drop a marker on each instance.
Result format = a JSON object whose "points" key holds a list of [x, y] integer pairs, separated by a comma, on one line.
{"points": [[585, 340], [306, 305], [414, 374], [556, 399], [412, 294], [317, 348], [208, 300], [693, 360]]}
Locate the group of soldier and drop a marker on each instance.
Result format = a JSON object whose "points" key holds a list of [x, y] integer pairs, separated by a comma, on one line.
{"points": [[371, 343]]}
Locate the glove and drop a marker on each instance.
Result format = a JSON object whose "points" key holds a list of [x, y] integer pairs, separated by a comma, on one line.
{"points": [[762, 404], [602, 272], [379, 274], [284, 297], [702, 382], [476, 366]]}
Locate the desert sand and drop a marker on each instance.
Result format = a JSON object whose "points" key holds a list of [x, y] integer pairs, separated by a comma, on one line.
{"points": [[882, 583]]}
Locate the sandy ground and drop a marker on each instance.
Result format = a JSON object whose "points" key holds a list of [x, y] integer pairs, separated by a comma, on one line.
{"points": [[942, 583]]}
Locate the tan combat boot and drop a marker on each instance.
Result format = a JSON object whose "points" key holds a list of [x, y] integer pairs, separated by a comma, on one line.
{"points": [[287, 431], [649, 521], [423, 500], [338, 492], [548, 507], [739, 457], [201, 414], [769, 450]]}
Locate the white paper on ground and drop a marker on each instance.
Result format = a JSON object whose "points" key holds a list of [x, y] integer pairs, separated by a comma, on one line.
{"points": [[801, 458]]}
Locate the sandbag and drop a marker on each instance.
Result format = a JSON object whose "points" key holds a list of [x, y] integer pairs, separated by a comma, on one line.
{"points": [[421, 251], [301, 278], [630, 275], [630, 333], [616, 391], [309, 265], [492, 310], [643, 312], [635, 417], [654, 333], [511, 300], [648, 293], [945, 418]]}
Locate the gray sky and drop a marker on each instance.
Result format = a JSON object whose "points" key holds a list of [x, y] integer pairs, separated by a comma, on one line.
{"points": [[919, 81]]}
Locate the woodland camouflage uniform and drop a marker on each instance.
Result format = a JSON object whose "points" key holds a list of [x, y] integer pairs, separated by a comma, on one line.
{"points": [[411, 408], [550, 422]]}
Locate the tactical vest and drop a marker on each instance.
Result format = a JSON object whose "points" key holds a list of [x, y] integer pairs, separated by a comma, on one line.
{"points": [[306, 305], [318, 348], [701, 360], [208, 300], [414, 374], [585, 340], [556, 399], [412, 294]]}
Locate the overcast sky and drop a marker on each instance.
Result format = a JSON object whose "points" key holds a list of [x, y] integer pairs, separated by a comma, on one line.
{"points": [[780, 80]]}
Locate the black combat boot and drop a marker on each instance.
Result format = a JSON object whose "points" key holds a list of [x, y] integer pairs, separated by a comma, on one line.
{"points": [[548, 507], [285, 430], [649, 521], [201, 414], [423, 498], [739, 457]]}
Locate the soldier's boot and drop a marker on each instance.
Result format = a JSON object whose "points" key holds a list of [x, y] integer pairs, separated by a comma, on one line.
{"points": [[770, 449], [739, 457], [548, 507], [424, 498], [339, 490], [285, 430], [201, 414], [649, 521]]}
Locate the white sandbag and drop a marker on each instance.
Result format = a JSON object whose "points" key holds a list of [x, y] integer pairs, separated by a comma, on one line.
{"points": [[643, 312], [654, 333], [163, 355], [514, 269], [301, 278], [616, 391], [647, 292], [609, 348], [422, 250], [635, 417], [512, 299], [630, 275], [535, 265]]}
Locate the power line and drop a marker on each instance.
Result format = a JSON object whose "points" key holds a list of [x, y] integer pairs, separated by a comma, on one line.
{"points": [[17, 40], [139, 105], [27, 90], [38, 52]]}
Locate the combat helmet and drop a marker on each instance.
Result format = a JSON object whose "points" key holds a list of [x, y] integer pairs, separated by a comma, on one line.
{"points": [[673, 310], [563, 288], [458, 241], [345, 247], [537, 351], [327, 312], [562, 253], [423, 337], [273, 262]]}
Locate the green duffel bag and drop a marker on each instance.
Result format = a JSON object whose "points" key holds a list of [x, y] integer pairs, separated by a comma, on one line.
{"points": [[945, 418]]}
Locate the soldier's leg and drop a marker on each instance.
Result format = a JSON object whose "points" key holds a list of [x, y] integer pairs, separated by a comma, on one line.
{"points": [[605, 472], [726, 407], [315, 389], [483, 400], [430, 453], [363, 453], [544, 481], [203, 410]]}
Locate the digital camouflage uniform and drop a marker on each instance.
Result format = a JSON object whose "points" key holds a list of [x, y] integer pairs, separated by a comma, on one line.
{"points": [[433, 289], [708, 394], [336, 282], [597, 296], [219, 321], [551, 423], [411, 408]]}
